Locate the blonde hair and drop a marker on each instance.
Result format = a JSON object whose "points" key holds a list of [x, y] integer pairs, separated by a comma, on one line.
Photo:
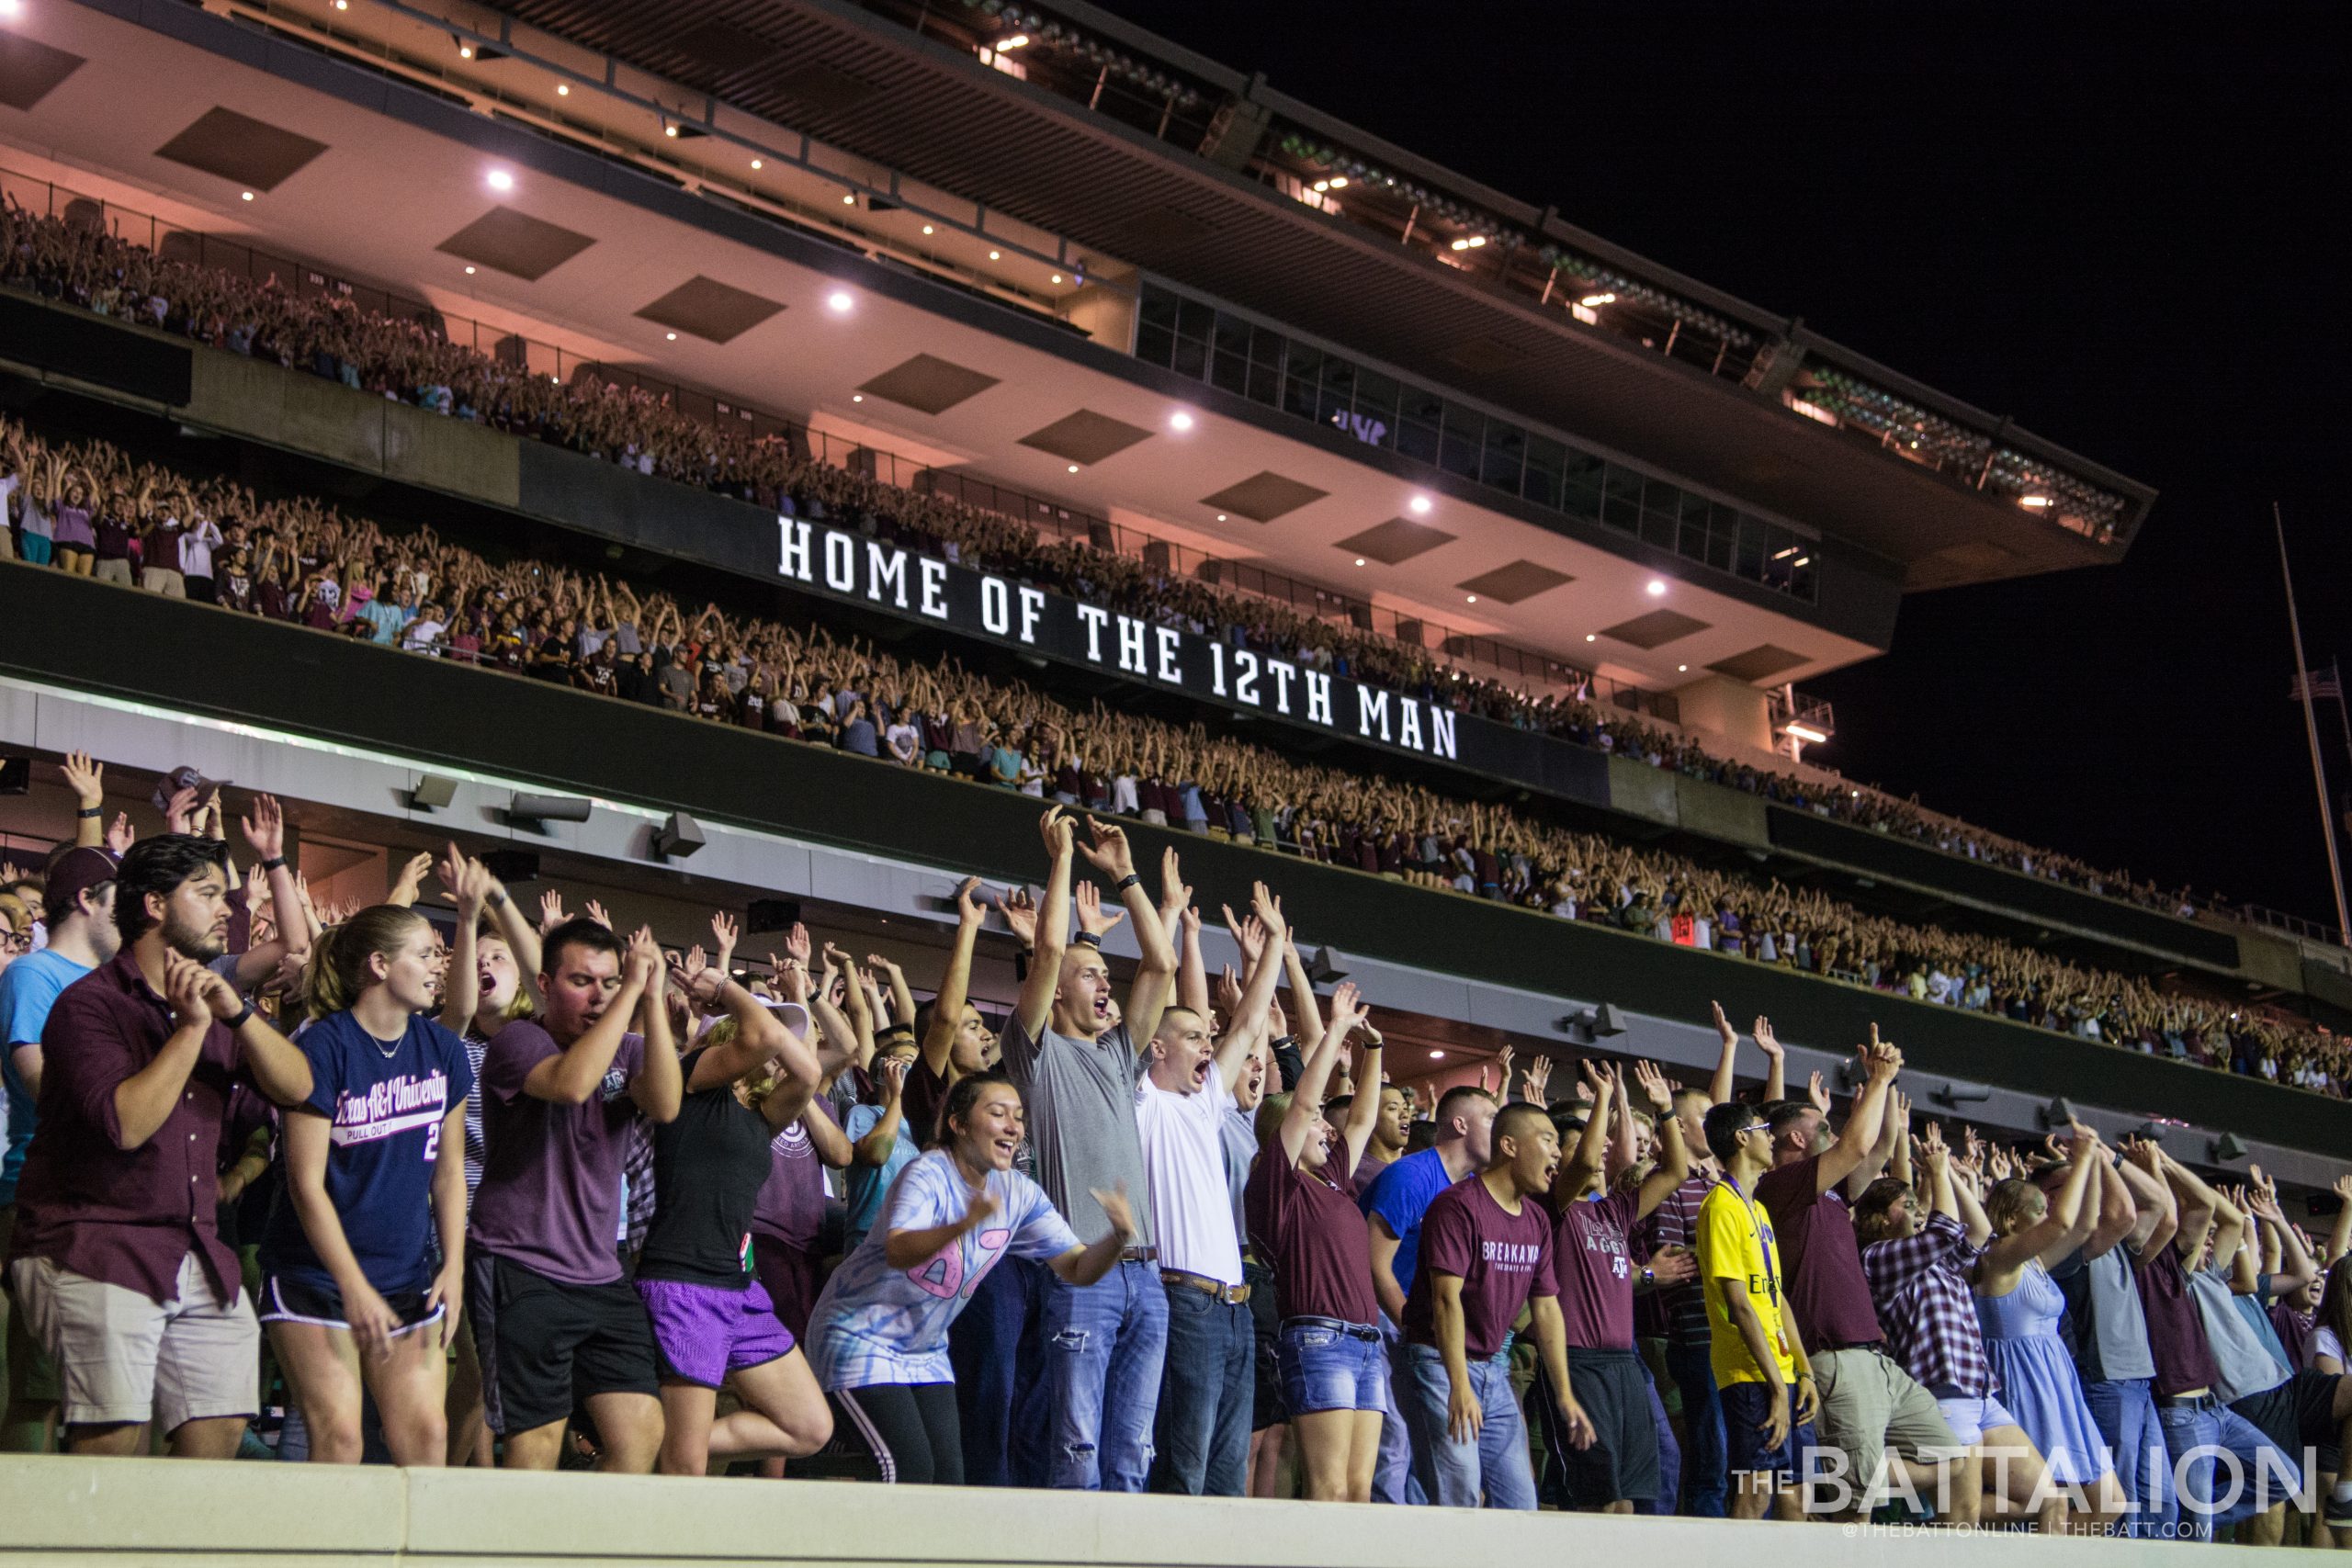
{"points": [[520, 1005], [2009, 1205], [338, 970]]}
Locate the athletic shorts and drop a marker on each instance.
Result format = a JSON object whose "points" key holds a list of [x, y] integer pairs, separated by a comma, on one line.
{"points": [[1623, 1463], [2297, 1413], [290, 1298], [547, 1348], [704, 1332], [788, 1274], [1745, 1406]]}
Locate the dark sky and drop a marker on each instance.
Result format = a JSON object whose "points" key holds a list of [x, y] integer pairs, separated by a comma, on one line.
{"points": [[2109, 221]]}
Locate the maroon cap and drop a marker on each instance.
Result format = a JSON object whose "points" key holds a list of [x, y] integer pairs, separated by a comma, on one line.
{"points": [[72, 874]]}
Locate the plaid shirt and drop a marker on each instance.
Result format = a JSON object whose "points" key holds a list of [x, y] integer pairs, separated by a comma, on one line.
{"points": [[1921, 1286], [1679, 1312]]}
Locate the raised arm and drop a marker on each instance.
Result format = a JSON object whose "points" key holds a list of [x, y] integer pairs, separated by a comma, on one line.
{"points": [[2117, 1212], [1035, 1005], [2066, 1225], [1893, 1138], [1248, 1025], [2296, 1267], [658, 1086], [464, 881], [1585, 1162], [1721, 1087], [2203, 1212], [2159, 1219], [1306, 1099], [1109, 853], [1776, 1060], [1673, 1166], [956, 985], [1881, 1062]]}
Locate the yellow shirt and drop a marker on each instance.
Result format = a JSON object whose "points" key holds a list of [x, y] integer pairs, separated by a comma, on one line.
{"points": [[1735, 1245]]}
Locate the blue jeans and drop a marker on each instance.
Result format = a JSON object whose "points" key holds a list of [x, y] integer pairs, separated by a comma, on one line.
{"points": [[992, 1345], [1101, 1348], [2203, 1483], [1328, 1365], [1393, 1480], [2125, 1410], [1670, 1452], [1457, 1476], [1207, 1393], [1705, 1454]]}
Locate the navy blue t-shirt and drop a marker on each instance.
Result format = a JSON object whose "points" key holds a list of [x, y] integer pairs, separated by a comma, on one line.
{"points": [[385, 1108], [1400, 1195]]}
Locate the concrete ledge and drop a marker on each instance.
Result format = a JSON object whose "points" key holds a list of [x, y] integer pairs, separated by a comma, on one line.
{"points": [[165, 1511]]}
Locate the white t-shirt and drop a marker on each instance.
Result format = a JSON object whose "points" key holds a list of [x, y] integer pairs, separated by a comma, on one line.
{"points": [[1183, 1163], [2323, 1342]]}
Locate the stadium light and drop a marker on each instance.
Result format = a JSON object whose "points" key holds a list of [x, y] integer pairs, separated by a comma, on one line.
{"points": [[1803, 732], [2226, 1147], [500, 180], [1591, 299], [1418, 506], [537, 810], [1179, 420], [1658, 588], [1324, 969], [431, 793], [679, 837], [2058, 1113], [839, 303]]}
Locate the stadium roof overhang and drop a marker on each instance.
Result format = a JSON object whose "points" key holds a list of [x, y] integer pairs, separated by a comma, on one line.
{"points": [[396, 179], [837, 72]]}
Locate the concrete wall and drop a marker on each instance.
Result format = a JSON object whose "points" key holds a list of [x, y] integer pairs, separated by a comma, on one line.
{"points": [[1728, 709], [102, 1513]]}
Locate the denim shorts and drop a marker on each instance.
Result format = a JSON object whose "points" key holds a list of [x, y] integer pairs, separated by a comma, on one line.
{"points": [[1330, 1366]]}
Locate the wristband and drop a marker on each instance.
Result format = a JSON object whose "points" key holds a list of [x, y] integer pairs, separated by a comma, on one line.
{"points": [[495, 899], [275, 863], [241, 1020], [91, 813], [1281, 1041], [1090, 939], [1132, 879]]}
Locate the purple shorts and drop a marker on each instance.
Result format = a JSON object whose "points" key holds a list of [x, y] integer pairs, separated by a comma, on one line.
{"points": [[705, 1332]]}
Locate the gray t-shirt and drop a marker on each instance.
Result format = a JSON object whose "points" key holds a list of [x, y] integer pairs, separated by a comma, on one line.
{"points": [[2245, 1364], [1081, 1106], [2119, 1326], [1240, 1131]]}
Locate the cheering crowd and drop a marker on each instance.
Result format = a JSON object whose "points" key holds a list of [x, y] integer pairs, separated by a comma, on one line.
{"points": [[71, 258], [298, 562], [540, 1192]]}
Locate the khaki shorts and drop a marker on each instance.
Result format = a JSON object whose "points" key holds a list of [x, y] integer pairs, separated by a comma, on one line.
{"points": [[113, 569], [161, 580], [1868, 1406], [122, 1357], [33, 1376]]}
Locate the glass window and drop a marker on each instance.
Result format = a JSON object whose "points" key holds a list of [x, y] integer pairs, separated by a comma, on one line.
{"points": [[1459, 446], [1506, 456], [1190, 358], [1417, 430], [1542, 483], [1691, 540], [1723, 535], [1339, 393], [1581, 474], [1376, 407], [1749, 561], [1265, 365], [1229, 367], [1194, 320], [1302, 384], [1661, 512], [1620, 504]]}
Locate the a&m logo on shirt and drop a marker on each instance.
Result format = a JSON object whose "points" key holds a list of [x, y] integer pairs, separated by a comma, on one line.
{"points": [[389, 1108]]}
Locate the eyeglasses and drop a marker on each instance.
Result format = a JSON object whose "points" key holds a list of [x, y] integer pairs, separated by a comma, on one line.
{"points": [[1753, 1127]]}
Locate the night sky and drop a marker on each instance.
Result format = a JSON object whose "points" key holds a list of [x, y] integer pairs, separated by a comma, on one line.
{"points": [[2108, 222]]}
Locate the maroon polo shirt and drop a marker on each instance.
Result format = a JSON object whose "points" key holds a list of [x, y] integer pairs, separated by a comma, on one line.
{"points": [[125, 1216], [1824, 1283]]}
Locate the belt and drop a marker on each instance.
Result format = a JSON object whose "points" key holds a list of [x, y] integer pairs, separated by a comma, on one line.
{"points": [[1336, 1324], [2203, 1399], [1231, 1295], [1875, 1347], [1139, 1255]]}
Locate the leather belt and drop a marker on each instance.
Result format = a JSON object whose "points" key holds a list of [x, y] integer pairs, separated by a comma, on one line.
{"points": [[1231, 1295], [1337, 1325], [1139, 1255]]}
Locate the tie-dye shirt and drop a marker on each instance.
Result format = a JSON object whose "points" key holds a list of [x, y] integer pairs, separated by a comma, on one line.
{"points": [[879, 1325]]}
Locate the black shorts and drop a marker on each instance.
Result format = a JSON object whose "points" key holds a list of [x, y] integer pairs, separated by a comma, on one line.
{"points": [[1621, 1465], [548, 1347], [2298, 1412], [290, 1298], [1268, 1407]]}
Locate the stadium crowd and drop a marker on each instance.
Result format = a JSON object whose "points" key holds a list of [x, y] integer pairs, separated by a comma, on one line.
{"points": [[541, 1192], [298, 562], [71, 258]]}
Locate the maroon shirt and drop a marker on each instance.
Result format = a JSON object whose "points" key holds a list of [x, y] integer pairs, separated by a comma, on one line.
{"points": [[1824, 1281], [1318, 1240], [2175, 1335], [1595, 1267], [1501, 1259], [125, 1216], [919, 1098]]}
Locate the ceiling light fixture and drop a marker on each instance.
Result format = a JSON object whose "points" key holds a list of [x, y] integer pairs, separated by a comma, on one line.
{"points": [[1073, 467], [1474, 599], [857, 397], [2032, 501], [1589, 637], [926, 229], [1658, 588], [1338, 181], [246, 196], [850, 199], [996, 256], [670, 129], [469, 271], [1803, 732], [1437, 1055], [339, 4], [838, 301], [1220, 516], [1018, 41], [1418, 506], [673, 337], [465, 51], [1359, 560], [756, 163], [500, 180], [1591, 299], [1058, 277], [1682, 670], [564, 89], [1179, 420]]}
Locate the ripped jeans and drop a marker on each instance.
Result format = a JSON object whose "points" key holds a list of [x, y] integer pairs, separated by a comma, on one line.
{"points": [[1101, 1345]]}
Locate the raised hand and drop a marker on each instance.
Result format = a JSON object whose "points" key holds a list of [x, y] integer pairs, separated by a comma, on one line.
{"points": [[551, 913], [1020, 912], [1229, 997], [120, 836], [645, 963], [186, 988], [970, 907], [1597, 1086], [1536, 1082], [1175, 894], [264, 825], [597, 913], [1503, 1060], [411, 881], [723, 933], [180, 812], [1268, 911], [796, 945], [1818, 1092], [1108, 852], [1093, 918], [1055, 827], [85, 778], [1654, 1087], [1115, 1208], [1724, 1030], [1766, 1040]]}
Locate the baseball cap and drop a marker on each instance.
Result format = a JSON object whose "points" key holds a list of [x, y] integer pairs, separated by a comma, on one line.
{"points": [[72, 874], [184, 777]]}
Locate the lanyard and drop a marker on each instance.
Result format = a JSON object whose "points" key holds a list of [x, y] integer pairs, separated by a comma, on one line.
{"points": [[1763, 1243]]}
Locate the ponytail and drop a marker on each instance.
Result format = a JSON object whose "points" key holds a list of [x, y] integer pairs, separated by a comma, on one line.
{"points": [[338, 971], [962, 1095]]}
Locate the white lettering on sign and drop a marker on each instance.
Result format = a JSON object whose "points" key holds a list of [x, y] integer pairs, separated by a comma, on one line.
{"points": [[1094, 618], [1171, 644], [934, 587], [1442, 731], [996, 606], [1283, 675], [1131, 645], [841, 562], [794, 559], [1033, 607], [886, 570], [1244, 677], [1216, 666], [1408, 722], [1372, 708], [1318, 697]]}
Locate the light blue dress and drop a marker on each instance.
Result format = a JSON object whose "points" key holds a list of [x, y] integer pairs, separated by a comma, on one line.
{"points": [[2039, 1383]]}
